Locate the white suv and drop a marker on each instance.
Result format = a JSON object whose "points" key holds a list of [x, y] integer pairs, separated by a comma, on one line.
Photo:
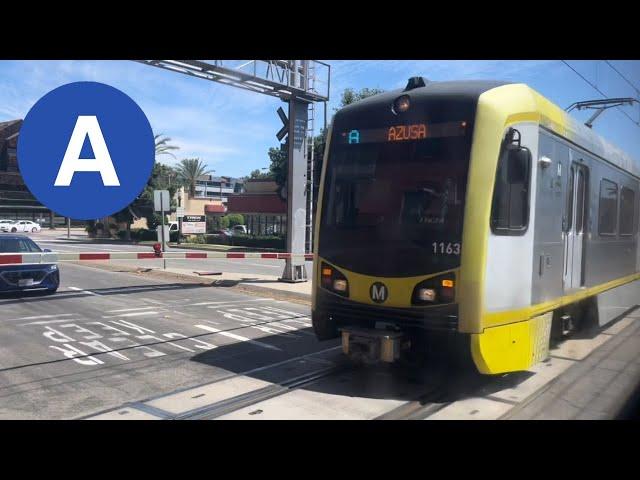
{"points": [[20, 226]]}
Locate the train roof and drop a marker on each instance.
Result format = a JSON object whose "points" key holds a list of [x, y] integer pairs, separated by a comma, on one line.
{"points": [[467, 89], [526, 100], [579, 134]]}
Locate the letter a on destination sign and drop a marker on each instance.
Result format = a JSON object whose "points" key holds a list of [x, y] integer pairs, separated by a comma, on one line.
{"points": [[87, 126]]}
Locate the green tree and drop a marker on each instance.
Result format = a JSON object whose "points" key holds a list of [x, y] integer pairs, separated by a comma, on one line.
{"points": [[163, 177], [279, 167], [162, 145], [189, 170], [217, 223], [235, 219], [349, 95], [257, 174]]}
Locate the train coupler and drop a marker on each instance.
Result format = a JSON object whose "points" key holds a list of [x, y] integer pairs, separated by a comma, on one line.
{"points": [[373, 345]]}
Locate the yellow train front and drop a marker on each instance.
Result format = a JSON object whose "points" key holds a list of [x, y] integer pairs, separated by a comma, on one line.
{"points": [[473, 217]]}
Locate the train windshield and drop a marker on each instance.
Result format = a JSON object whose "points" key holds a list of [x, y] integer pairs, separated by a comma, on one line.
{"points": [[394, 206]]}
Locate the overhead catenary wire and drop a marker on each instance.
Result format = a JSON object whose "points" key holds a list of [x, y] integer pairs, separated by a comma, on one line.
{"points": [[623, 77], [598, 90]]}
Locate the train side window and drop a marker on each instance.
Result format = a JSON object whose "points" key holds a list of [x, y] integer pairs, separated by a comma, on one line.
{"points": [[569, 205], [607, 207], [627, 211], [580, 201], [510, 208]]}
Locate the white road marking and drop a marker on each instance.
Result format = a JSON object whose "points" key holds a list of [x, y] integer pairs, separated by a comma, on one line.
{"points": [[129, 309], [151, 300], [132, 314], [77, 289], [230, 301], [238, 337], [40, 317], [44, 322]]}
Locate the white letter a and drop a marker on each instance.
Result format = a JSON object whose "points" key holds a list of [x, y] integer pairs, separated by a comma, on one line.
{"points": [[87, 125]]}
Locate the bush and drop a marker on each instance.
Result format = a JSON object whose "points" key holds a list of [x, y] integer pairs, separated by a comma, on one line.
{"points": [[154, 221], [139, 234], [263, 241], [196, 239], [217, 239], [235, 219], [217, 223], [259, 241]]}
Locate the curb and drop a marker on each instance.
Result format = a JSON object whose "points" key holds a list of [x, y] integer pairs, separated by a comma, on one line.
{"points": [[195, 246]]}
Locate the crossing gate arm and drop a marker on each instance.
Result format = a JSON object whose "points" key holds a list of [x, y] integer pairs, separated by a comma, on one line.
{"points": [[55, 257]]}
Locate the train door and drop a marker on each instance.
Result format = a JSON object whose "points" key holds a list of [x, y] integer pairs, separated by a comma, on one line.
{"points": [[574, 226]]}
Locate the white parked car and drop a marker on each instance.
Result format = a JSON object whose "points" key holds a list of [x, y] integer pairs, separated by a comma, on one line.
{"points": [[20, 226]]}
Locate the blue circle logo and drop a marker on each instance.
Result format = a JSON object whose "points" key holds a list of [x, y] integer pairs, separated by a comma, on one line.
{"points": [[86, 150]]}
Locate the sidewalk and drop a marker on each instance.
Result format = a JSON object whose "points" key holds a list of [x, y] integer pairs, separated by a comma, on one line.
{"points": [[220, 248], [253, 282]]}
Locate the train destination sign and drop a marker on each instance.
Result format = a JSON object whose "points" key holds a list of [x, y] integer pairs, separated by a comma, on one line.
{"points": [[400, 133]]}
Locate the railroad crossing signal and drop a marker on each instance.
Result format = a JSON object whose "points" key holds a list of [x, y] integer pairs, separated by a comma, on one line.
{"points": [[285, 129]]}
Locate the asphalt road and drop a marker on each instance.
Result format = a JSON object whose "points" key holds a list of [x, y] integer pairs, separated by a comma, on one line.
{"points": [[114, 344], [107, 338]]}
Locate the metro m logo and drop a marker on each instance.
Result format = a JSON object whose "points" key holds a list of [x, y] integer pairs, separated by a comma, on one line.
{"points": [[378, 292]]}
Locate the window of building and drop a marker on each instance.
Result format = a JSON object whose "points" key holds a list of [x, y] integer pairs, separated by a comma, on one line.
{"points": [[608, 207], [627, 211]]}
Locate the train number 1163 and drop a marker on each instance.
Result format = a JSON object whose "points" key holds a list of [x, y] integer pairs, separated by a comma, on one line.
{"points": [[446, 248]]}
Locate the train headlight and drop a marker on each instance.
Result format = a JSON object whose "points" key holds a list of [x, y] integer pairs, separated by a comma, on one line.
{"points": [[401, 104], [340, 285], [333, 280], [426, 294], [435, 290]]}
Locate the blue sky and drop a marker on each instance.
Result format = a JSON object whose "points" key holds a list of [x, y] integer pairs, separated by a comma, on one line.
{"points": [[231, 129]]}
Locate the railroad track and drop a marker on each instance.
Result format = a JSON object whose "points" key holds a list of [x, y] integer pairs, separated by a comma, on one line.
{"points": [[432, 395], [238, 402], [435, 389]]}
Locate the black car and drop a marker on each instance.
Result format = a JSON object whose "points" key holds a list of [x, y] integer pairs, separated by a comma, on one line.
{"points": [[23, 277]]}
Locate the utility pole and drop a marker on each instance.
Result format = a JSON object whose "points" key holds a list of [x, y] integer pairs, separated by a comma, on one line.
{"points": [[297, 82], [179, 218], [295, 269]]}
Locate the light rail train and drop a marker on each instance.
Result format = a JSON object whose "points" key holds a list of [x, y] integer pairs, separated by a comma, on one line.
{"points": [[475, 215]]}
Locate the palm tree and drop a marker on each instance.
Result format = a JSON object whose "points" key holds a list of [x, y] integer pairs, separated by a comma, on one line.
{"points": [[162, 145], [189, 170]]}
